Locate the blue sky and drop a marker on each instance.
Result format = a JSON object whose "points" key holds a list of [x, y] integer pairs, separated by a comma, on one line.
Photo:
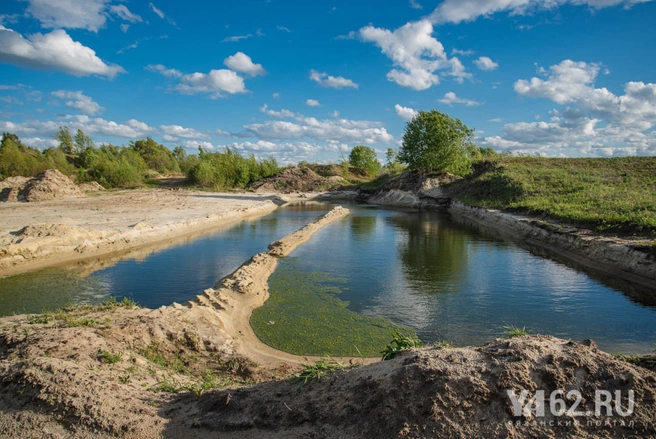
{"points": [[310, 80]]}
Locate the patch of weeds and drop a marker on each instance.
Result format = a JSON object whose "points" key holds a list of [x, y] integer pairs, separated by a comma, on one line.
{"points": [[167, 386], [400, 342], [442, 344], [515, 331], [124, 379], [132, 369], [109, 357], [315, 371], [44, 318], [633, 359], [71, 323], [155, 355], [152, 354], [209, 380], [113, 303]]}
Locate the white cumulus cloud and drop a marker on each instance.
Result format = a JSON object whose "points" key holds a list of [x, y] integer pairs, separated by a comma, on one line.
{"points": [[416, 54], [79, 101], [405, 113], [450, 98], [594, 122], [71, 14], [216, 83], [240, 62], [485, 63], [332, 130], [312, 103], [326, 80], [171, 133], [131, 129], [53, 51]]}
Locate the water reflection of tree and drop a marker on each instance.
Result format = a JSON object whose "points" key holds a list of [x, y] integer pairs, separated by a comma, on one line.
{"points": [[433, 253], [363, 227]]}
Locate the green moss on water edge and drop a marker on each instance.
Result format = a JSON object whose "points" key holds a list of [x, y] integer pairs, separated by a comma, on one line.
{"points": [[302, 316]]}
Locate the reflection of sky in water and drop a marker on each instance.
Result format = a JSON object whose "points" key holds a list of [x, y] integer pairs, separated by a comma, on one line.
{"points": [[449, 282], [422, 270]]}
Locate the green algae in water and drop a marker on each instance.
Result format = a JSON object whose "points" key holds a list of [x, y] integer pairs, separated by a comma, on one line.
{"points": [[302, 316], [48, 290]]}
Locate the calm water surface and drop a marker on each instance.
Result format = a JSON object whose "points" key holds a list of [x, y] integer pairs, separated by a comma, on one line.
{"points": [[446, 280]]}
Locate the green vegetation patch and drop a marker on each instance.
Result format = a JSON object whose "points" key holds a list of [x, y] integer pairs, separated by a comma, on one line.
{"points": [[303, 317], [616, 195]]}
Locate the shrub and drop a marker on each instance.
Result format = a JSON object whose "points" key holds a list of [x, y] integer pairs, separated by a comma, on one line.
{"points": [[435, 142], [228, 170], [364, 160]]}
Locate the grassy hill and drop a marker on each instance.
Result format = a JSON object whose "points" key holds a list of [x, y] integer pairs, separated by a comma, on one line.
{"points": [[611, 196]]}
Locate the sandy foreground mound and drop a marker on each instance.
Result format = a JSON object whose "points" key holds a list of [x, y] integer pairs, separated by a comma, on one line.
{"points": [[48, 185], [295, 179], [115, 381]]}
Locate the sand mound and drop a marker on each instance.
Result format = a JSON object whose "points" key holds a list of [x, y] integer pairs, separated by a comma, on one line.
{"points": [[91, 187], [10, 188], [294, 179], [49, 185], [450, 393]]}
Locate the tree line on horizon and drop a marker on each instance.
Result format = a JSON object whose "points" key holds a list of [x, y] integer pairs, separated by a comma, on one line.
{"points": [[433, 142], [130, 166]]}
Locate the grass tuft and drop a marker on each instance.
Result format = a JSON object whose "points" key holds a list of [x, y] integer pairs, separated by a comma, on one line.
{"points": [[312, 372], [400, 342], [515, 331]]}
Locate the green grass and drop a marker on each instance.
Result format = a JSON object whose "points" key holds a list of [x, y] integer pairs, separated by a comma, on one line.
{"points": [[400, 342], [302, 316], [312, 372], [110, 358], [611, 196], [515, 331]]}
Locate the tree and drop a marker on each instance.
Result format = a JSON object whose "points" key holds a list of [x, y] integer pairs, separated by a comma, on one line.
{"points": [[65, 140], [82, 141], [364, 160], [390, 156], [435, 142]]}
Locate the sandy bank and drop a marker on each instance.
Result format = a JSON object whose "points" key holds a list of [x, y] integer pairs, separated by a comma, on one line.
{"points": [[617, 257], [35, 235], [236, 296]]}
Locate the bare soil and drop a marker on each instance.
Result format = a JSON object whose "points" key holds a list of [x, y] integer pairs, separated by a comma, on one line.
{"points": [[295, 179]]}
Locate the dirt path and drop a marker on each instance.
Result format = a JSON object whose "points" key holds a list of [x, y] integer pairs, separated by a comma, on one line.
{"points": [[35, 235]]}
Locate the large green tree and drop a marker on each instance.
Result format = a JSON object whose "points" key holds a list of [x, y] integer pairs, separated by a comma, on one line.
{"points": [[436, 142], [364, 160]]}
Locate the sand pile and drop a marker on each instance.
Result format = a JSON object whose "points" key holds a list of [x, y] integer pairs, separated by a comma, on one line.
{"points": [[447, 393], [11, 187], [91, 186], [294, 179], [49, 185]]}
